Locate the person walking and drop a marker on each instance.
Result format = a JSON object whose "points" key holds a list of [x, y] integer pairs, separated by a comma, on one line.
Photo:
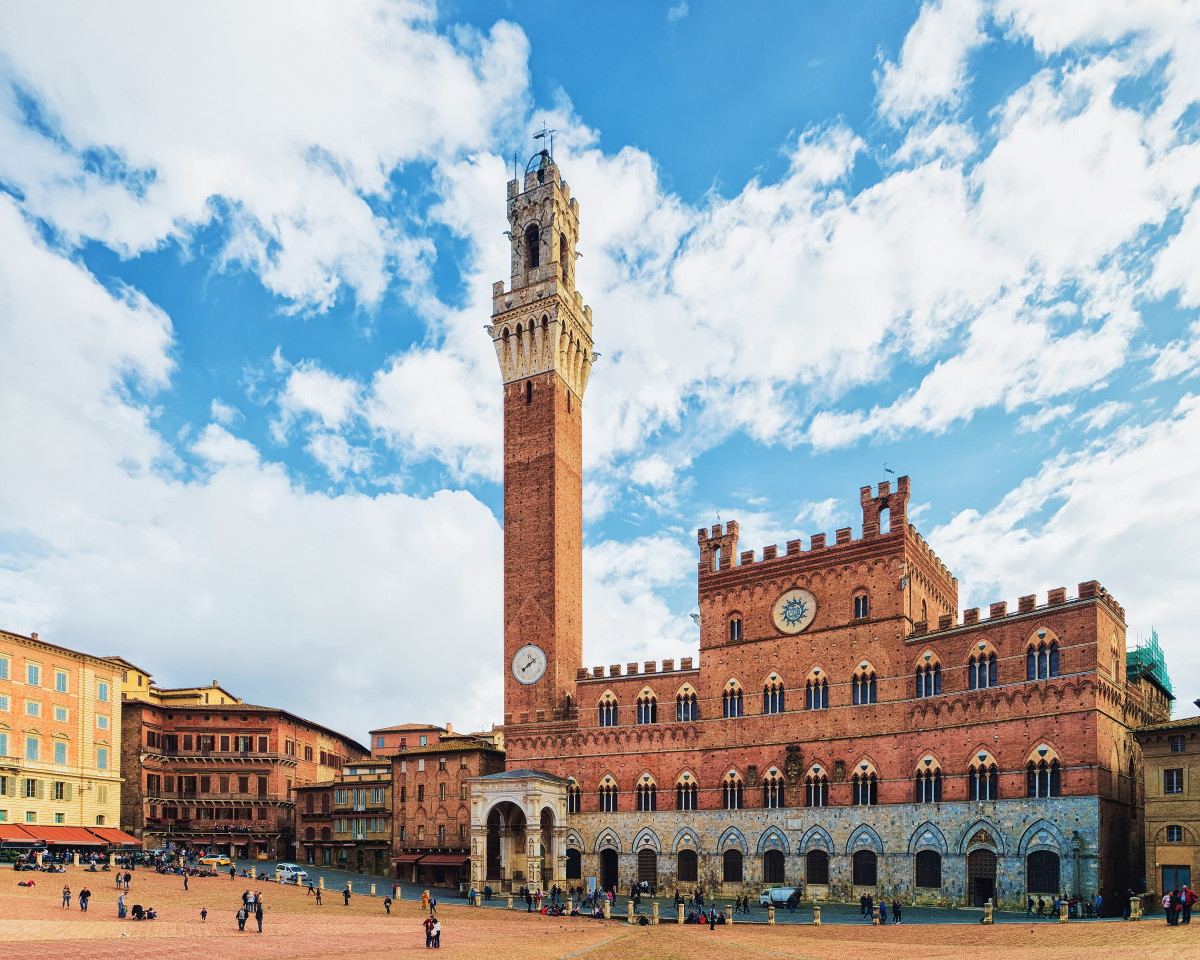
{"points": [[204, 914], [318, 896], [437, 934], [896, 911], [387, 905], [1029, 907], [258, 913], [1098, 906], [185, 882], [128, 877], [428, 923], [121, 907], [1188, 897], [241, 919], [66, 898], [84, 896], [346, 895]]}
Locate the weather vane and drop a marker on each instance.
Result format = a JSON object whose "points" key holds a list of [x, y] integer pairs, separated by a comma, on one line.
{"points": [[545, 135]]}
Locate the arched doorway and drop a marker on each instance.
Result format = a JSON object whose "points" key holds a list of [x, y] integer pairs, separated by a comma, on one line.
{"points": [[1042, 868], [865, 867], [549, 853], [773, 866], [648, 866], [574, 864], [687, 867], [981, 877], [608, 869], [816, 867], [505, 857], [731, 866]]}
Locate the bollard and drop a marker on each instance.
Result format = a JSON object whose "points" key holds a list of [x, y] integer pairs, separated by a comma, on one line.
{"points": [[629, 911], [816, 915], [680, 921], [76, 859], [987, 913], [321, 882], [875, 915], [112, 859], [510, 901], [372, 889], [607, 909], [654, 912], [771, 914], [729, 914], [1135, 908], [570, 906], [1062, 912]]}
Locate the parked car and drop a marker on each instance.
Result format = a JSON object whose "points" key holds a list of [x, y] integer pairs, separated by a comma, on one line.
{"points": [[215, 861], [776, 895], [290, 873]]}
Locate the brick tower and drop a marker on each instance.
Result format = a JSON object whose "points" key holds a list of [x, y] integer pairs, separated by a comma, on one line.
{"points": [[543, 338]]}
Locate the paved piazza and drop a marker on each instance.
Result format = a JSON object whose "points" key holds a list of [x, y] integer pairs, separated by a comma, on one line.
{"points": [[33, 924]]}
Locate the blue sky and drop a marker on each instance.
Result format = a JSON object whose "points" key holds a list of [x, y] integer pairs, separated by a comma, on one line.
{"points": [[253, 420]]}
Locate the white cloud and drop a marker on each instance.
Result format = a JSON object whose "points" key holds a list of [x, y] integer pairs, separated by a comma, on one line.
{"points": [[291, 113], [1108, 513], [311, 391], [677, 11], [932, 71], [222, 412], [1179, 357], [1103, 414]]}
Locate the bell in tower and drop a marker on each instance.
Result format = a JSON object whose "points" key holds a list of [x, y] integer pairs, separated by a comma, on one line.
{"points": [[542, 333]]}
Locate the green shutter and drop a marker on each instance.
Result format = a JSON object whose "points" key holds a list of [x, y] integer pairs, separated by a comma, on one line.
{"points": [[67, 792], [41, 789]]}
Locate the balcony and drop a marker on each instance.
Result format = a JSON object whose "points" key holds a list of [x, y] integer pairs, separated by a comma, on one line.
{"points": [[175, 753]]}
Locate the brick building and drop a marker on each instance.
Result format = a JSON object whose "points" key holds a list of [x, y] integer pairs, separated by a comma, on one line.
{"points": [[387, 741], [844, 730], [431, 815], [60, 735], [221, 776]]}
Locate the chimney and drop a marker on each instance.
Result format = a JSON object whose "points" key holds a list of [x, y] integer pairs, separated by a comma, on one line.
{"points": [[33, 636], [449, 728]]}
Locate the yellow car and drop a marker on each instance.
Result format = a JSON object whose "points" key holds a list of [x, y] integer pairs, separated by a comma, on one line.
{"points": [[215, 861]]}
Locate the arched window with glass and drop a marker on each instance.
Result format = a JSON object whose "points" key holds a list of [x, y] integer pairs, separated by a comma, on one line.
{"points": [[864, 785], [1043, 776], [816, 691], [982, 669], [1041, 659], [608, 795], [686, 792], [685, 705], [608, 710], [773, 700], [816, 787], [862, 684], [929, 676], [731, 791], [983, 777], [647, 708], [816, 867], [773, 790], [928, 781], [647, 794], [731, 700], [573, 796]]}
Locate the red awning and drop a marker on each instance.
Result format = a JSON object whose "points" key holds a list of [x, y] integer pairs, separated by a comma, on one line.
{"points": [[407, 858], [11, 833], [70, 837], [114, 837], [445, 860]]}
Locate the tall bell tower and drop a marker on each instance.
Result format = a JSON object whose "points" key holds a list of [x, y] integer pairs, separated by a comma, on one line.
{"points": [[543, 338]]}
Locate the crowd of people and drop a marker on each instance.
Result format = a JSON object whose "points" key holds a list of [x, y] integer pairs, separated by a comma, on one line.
{"points": [[1177, 904]]}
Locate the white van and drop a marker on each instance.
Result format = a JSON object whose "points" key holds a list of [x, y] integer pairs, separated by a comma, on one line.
{"points": [[290, 873], [778, 896]]}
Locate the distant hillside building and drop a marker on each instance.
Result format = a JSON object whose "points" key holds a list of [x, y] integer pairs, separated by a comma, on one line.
{"points": [[845, 730]]}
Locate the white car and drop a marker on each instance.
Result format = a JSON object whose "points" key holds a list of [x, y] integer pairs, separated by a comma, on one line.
{"points": [[290, 873], [775, 895]]}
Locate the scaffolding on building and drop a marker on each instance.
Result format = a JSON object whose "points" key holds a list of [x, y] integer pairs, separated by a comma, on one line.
{"points": [[1147, 660]]}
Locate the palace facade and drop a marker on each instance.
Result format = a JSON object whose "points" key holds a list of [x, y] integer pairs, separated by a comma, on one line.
{"points": [[844, 730]]}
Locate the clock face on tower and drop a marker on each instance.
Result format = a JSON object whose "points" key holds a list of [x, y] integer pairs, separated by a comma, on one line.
{"points": [[794, 610], [529, 663]]}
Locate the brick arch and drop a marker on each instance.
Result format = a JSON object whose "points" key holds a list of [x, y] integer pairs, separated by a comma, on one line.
{"points": [[972, 649], [864, 837], [647, 834], [1032, 839], [1189, 835], [817, 838], [1051, 754], [732, 837], [981, 823], [928, 836], [678, 843], [770, 834]]}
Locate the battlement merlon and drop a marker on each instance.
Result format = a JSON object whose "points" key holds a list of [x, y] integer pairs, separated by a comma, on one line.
{"points": [[895, 503]]}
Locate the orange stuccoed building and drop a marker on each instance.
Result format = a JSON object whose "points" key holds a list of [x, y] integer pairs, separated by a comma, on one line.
{"points": [[844, 731]]}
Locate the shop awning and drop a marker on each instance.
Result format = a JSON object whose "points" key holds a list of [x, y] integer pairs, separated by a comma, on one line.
{"points": [[407, 858], [114, 837], [445, 860], [70, 837], [11, 833]]}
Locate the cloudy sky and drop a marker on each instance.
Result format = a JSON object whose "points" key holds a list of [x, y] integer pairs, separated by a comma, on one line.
{"points": [[250, 421]]}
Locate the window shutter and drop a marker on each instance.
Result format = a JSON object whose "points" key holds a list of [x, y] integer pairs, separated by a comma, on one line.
{"points": [[41, 789], [66, 791]]}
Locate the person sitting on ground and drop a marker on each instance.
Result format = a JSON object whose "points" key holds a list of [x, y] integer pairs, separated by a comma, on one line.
{"points": [[150, 914], [137, 911]]}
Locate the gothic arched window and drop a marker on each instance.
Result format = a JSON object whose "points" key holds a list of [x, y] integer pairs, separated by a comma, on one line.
{"points": [[533, 247]]}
